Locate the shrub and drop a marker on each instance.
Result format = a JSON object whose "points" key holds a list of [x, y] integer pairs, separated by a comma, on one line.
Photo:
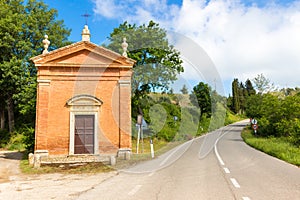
{"points": [[295, 133], [28, 139], [4, 138]]}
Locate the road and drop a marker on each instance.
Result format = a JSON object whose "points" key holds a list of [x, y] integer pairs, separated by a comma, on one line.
{"points": [[217, 166]]}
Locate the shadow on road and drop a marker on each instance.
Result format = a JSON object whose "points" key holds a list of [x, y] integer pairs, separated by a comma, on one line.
{"points": [[11, 155]]}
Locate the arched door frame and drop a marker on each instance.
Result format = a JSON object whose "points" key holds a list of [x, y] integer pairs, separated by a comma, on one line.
{"points": [[84, 105]]}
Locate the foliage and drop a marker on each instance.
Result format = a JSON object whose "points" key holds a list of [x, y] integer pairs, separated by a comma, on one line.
{"points": [[22, 29], [201, 98], [168, 120], [276, 116], [184, 90], [28, 138], [4, 138], [157, 62], [280, 147], [236, 96], [232, 118], [240, 94], [263, 84], [20, 139]]}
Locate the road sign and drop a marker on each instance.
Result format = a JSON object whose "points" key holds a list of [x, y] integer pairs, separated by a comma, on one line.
{"points": [[255, 127], [254, 121]]}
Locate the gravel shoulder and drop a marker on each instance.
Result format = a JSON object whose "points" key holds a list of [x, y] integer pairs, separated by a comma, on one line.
{"points": [[15, 185]]}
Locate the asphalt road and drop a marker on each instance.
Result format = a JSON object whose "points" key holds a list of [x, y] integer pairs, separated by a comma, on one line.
{"points": [[217, 166]]}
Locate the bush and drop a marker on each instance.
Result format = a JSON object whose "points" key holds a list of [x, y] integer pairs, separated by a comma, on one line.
{"points": [[4, 138], [21, 139], [295, 133], [16, 142], [28, 139]]}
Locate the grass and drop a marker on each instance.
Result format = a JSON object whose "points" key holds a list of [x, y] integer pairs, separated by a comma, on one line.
{"points": [[160, 147], [278, 147], [89, 168], [79, 168], [232, 118]]}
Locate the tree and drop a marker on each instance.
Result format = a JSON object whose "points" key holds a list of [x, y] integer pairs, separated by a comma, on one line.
{"points": [[201, 98], [157, 62], [263, 84], [235, 96], [249, 87], [22, 29], [184, 89]]}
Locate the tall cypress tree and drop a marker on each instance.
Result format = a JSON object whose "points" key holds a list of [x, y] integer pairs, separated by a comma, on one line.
{"points": [[235, 96], [249, 87]]}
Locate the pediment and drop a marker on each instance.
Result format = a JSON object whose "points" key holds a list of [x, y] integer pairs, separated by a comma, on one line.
{"points": [[80, 54], [84, 100]]}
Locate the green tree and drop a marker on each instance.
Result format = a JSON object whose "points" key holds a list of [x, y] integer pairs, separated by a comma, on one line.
{"points": [[263, 84], [201, 98], [254, 106], [236, 96], [22, 29], [184, 89], [249, 87], [242, 96], [157, 62]]}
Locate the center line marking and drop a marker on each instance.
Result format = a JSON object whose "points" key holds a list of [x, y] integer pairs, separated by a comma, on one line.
{"points": [[151, 174], [226, 170], [134, 190], [235, 183], [246, 198]]}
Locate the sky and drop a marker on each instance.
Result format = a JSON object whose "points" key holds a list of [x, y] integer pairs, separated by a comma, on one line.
{"points": [[219, 39]]}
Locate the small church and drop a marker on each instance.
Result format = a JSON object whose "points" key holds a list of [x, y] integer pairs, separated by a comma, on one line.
{"points": [[83, 100]]}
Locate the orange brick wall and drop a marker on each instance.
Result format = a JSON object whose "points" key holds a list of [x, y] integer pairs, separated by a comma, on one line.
{"points": [[53, 114]]}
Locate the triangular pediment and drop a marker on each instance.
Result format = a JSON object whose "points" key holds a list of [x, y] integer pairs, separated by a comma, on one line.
{"points": [[81, 54]]}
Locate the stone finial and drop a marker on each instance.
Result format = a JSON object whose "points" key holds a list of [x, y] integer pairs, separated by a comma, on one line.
{"points": [[46, 44], [86, 34], [124, 47]]}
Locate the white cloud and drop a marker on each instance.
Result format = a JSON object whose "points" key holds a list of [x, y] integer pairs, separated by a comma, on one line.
{"points": [[241, 41]]}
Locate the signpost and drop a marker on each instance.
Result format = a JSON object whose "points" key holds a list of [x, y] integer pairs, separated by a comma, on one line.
{"points": [[152, 148], [254, 121], [254, 125], [139, 122]]}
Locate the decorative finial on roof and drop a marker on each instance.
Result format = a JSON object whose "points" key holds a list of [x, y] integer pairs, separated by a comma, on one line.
{"points": [[46, 44], [86, 16], [86, 36], [124, 47]]}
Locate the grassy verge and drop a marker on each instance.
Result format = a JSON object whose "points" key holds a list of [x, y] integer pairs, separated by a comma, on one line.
{"points": [[232, 118], [89, 168], [277, 147], [160, 147]]}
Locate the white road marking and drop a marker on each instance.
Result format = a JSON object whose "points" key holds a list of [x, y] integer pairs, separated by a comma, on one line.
{"points": [[216, 149], [134, 190], [151, 174], [246, 198], [174, 151], [235, 183], [226, 170], [217, 153]]}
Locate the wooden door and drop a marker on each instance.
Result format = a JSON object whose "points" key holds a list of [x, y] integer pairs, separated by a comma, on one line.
{"points": [[84, 134]]}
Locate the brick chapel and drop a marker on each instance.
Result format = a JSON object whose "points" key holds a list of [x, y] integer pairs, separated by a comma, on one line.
{"points": [[83, 99]]}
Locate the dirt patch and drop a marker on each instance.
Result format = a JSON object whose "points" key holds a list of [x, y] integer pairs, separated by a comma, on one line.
{"points": [[9, 164]]}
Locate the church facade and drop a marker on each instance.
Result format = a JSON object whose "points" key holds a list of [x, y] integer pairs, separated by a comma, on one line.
{"points": [[83, 99]]}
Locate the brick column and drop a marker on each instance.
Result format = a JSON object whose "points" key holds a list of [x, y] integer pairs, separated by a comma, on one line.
{"points": [[125, 115], [41, 129]]}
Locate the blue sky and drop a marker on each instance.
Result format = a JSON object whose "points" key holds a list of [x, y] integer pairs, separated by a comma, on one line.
{"points": [[242, 38]]}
